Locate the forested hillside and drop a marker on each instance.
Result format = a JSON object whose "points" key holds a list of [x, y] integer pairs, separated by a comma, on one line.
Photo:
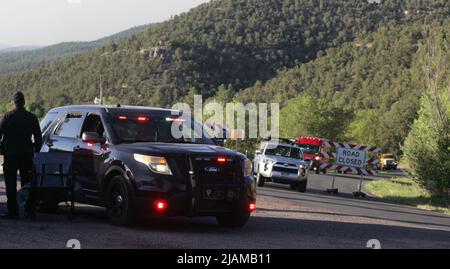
{"points": [[19, 59], [9, 49], [352, 53], [378, 79], [233, 42]]}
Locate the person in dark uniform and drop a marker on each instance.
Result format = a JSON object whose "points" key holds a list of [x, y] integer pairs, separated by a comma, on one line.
{"points": [[21, 137]]}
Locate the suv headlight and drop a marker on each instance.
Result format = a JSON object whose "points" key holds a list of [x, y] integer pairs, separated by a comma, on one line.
{"points": [[158, 165], [247, 168], [269, 161]]}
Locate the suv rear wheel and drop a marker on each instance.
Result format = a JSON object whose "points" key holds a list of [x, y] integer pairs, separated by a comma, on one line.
{"points": [[233, 221], [119, 203]]}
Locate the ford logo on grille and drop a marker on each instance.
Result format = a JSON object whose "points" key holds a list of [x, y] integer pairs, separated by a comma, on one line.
{"points": [[212, 169]]}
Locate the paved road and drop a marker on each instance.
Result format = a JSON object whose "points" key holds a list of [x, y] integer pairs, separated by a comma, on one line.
{"points": [[348, 183], [284, 219]]}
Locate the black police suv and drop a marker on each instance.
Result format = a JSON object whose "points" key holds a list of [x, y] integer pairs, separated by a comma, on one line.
{"points": [[128, 160]]}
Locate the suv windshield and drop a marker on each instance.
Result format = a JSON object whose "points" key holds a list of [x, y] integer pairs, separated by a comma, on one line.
{"points": [[151, 128], [309, 149], [285, 151]]}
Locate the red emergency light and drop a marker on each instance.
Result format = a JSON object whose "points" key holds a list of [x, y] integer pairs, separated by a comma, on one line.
{"points": [[310, 141], [252, 207], [176, 119], [160, 206], [142, 118], [221, 159]]}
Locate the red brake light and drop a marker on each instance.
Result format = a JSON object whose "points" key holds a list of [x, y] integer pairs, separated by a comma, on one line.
{"points": [[122, 117], [160, 206], [90, 144], [252, 207], [176, 119], [142, 118], [221, 159]]}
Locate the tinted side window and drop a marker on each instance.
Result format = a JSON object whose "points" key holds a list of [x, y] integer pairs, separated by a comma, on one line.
{"points": [[93, 123], [70, 126], [296, 153], [48, 121]]}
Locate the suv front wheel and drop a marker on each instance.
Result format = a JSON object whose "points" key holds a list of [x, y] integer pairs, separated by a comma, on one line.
{"points": [[260, 180], [301, 187], [119, 203]]}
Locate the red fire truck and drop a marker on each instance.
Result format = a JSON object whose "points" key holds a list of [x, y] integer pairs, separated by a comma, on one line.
{"points": [[311, 151]]}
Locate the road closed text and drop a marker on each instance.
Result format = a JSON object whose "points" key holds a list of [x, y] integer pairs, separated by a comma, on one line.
{"points": [[351, 157]]}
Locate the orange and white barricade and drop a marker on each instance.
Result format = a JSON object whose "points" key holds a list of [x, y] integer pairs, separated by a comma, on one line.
{"points": [[349, 158]]}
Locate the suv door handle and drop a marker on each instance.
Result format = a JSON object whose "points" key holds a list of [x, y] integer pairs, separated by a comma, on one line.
{"points": [[49, 144]]}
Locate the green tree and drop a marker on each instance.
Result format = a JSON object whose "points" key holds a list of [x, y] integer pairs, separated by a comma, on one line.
{"points": [[189, 98], [36, 109], [427, 147], [362, 130], [306, 115]]}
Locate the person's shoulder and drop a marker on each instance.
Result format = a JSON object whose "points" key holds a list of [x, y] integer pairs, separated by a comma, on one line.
{"points": [[31, 115], [8, 114]]}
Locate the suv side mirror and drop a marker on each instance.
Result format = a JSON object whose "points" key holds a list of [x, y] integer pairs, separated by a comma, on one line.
{"points": [[258, 152], [93, 137]]}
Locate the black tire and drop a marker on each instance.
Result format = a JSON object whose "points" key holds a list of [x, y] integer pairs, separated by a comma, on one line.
{"points": [[119, 202], [260, 180], [233, 221], [301, 187], [48, 207], [317, 171], [293, 187]]}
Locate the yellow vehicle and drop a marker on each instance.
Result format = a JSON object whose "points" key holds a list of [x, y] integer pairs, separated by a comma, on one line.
{"points": [[387, 162]]}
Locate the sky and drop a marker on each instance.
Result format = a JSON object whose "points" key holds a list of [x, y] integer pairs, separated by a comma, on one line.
{"points": [[46, 22]]}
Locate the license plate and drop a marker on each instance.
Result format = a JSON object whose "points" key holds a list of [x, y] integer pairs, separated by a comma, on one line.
{"points": [[212, 194], [285, 174]]}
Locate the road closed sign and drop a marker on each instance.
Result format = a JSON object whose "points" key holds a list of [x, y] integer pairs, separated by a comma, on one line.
{"points": [[351, 157]]}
